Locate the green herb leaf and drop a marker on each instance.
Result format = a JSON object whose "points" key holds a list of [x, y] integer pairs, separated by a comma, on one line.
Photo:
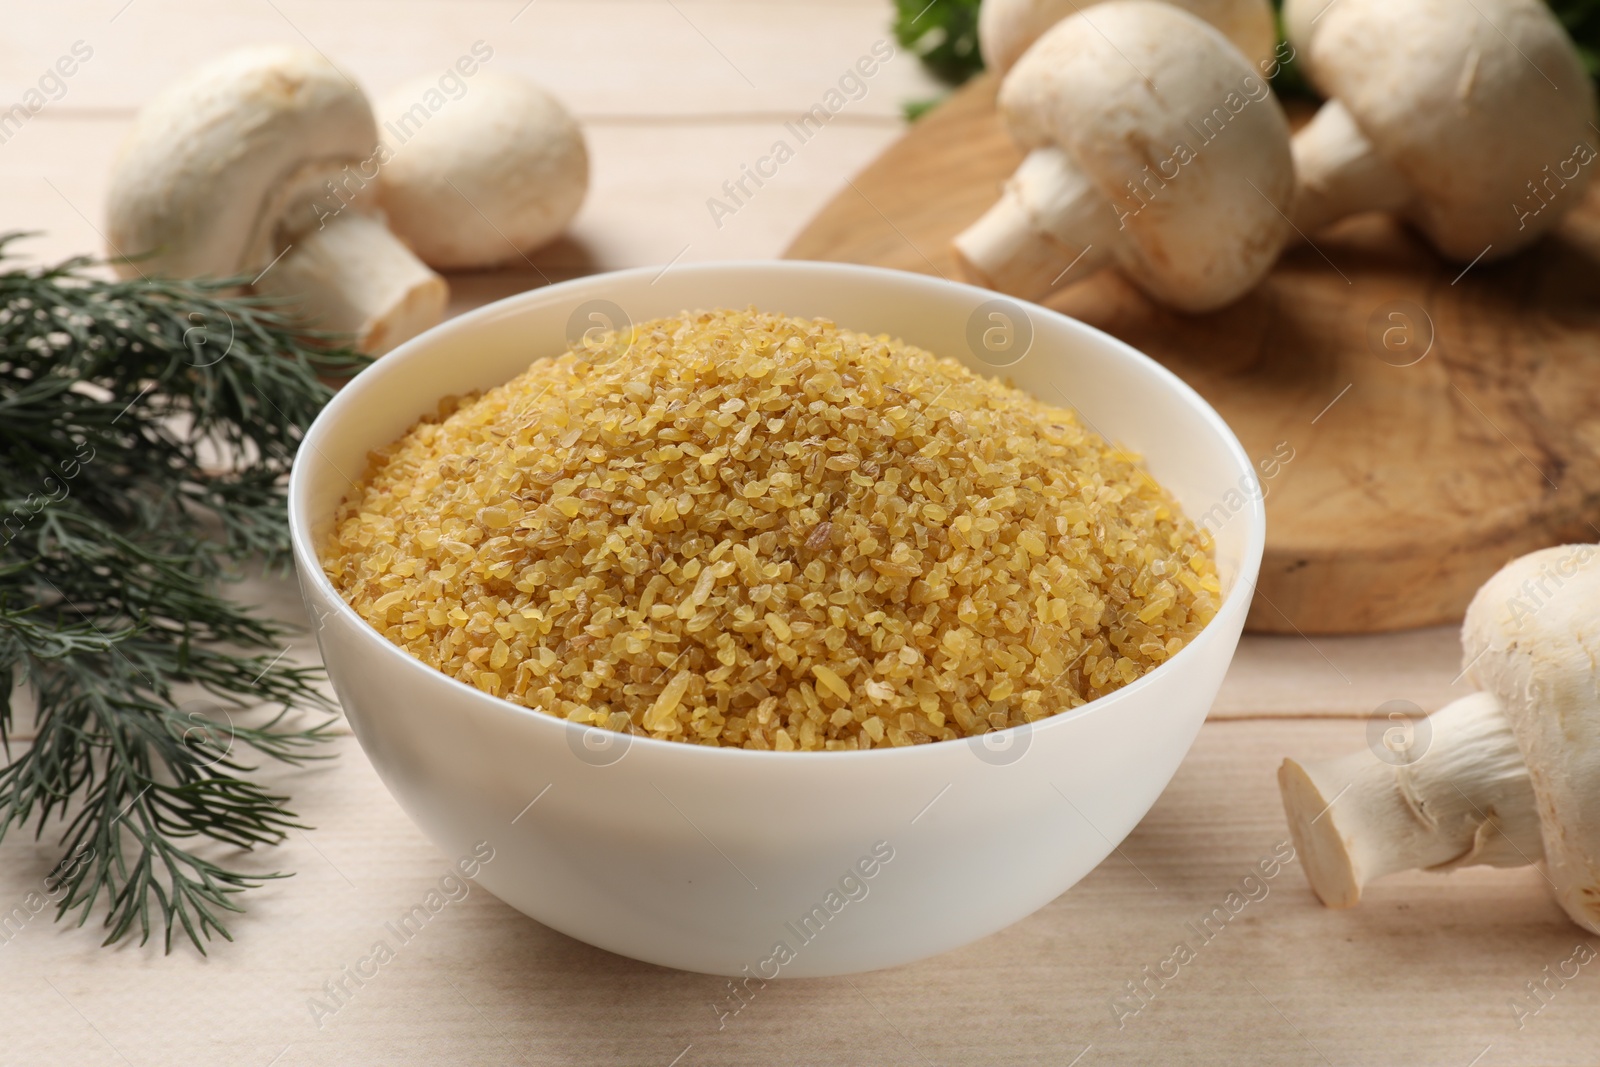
{"points": [[148, 428], [943, 34], [915, 109]]}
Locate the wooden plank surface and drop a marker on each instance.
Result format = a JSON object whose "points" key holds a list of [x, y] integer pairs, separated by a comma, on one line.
{"points": [[603, 57], [1423, 973], [1417, 423]]}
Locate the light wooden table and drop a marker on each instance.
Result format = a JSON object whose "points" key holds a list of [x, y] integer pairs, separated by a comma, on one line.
{"points": [[675, 96]]}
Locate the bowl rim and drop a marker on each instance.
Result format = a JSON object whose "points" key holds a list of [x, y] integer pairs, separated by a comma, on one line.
{"points": [[308, 562]]}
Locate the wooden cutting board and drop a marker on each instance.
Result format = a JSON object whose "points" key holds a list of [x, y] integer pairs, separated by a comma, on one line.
{"points": [[1439, 421]]}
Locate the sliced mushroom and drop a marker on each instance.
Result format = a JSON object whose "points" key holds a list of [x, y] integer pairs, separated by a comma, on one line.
{"points": [[1472, 120], [251, 166], [1006, 28], [1155, 146], [1509, 775], [488, 179]]}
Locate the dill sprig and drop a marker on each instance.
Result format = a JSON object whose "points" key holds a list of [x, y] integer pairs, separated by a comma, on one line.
{"points": [[147, 430]]}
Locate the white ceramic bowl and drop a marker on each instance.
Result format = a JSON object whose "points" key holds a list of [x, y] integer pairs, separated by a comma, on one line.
{"points": [[709, 859]]}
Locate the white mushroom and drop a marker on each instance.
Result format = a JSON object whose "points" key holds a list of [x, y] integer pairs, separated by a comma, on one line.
{"points": [[1300, 21], [490, 177], [1155, 146], [1508, 776], [243, 169], [1472, 120], [1006, 28]]}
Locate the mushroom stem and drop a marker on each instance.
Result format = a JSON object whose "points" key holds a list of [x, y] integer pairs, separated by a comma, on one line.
{"points": [[1457, 795], [1048, 221], [1340, 172], [352, 275]]}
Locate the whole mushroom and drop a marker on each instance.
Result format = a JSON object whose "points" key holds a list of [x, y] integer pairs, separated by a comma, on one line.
{"points": [[491, 177], [1471, 120], [251, 167], [1300, 18], [1154, 146], [1504, 777], [1007, 28]]}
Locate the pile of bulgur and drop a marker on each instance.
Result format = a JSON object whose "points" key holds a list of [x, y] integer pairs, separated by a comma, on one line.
{"points": [[745, 529]]}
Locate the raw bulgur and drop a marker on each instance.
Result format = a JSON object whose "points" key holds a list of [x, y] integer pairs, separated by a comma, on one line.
{"points": [[745, 529]]}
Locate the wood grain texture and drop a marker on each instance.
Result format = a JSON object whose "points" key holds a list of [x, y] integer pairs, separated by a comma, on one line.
{"points": [[53, 179], [1409, 484], [604, 58], [1424, 972]]}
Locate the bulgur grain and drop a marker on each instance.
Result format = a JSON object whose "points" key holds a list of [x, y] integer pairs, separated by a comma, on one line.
{"points": [[773, 533]]}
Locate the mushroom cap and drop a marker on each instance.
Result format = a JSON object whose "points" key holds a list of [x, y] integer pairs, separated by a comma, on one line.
{"points": [[1468, 101], [1179, 134], [1532, 638], [484, 178], [217, 161], [1006, 28], [1301, 18]]}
